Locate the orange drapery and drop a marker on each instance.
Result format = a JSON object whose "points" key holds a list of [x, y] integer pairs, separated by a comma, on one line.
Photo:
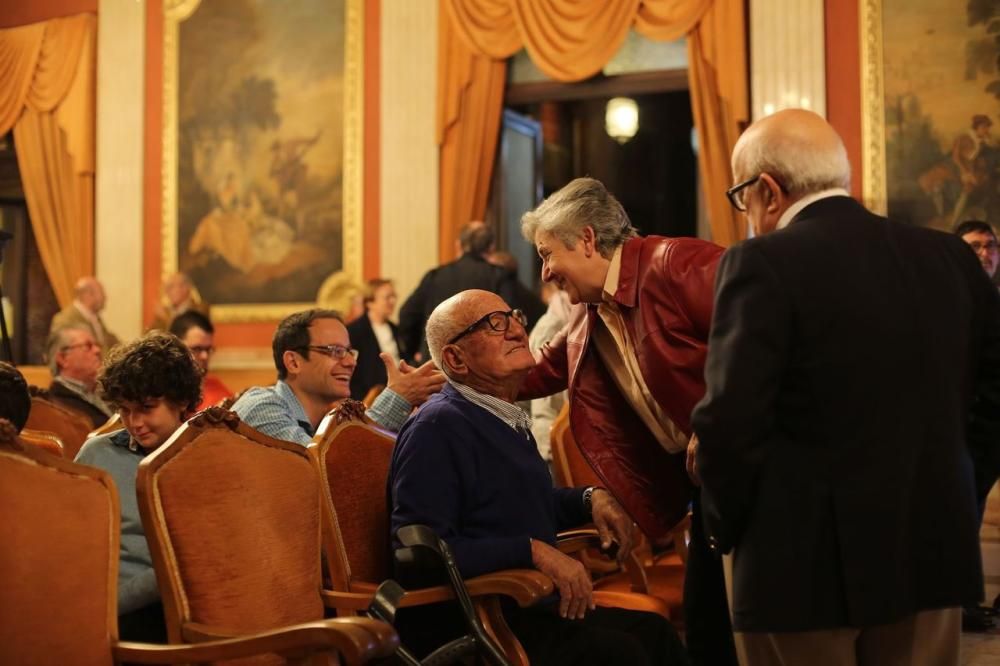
{"points": [[47, 95], [559, 35]]}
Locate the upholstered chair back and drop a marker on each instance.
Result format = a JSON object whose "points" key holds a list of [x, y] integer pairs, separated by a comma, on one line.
{"points": [[570, 468], [70, 426], [112, 424], [46, 441], [233, 522], [58, 558], [353, 457]]}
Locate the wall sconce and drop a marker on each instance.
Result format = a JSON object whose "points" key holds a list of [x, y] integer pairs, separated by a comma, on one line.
{"points": [[621, 119]]}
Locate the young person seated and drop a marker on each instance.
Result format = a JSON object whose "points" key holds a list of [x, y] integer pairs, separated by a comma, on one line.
{"points": [[155, 385], [315, 362], [467, 466]]}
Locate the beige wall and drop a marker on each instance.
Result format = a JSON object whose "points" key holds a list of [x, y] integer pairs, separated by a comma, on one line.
{"points": [[409, 154], [118, 183]]}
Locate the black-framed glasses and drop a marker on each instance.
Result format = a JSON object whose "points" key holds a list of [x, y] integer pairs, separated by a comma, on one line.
{"points": [[735, 193], [85, 345], [336, 352], [499, 321]]}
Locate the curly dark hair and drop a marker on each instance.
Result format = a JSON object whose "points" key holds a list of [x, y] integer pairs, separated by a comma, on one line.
{"points": [[157, 365], [15, 401], [293, 335]]}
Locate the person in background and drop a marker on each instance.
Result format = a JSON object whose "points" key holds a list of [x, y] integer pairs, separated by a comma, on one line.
{"points": [[374, 334], [853, 366], [155, 385], [179, 296], [15, 401], [74, 360], [314, 359], [545, 410], [85, 310], [983, 240], [525, 300], [195, 330], [470, 271]]}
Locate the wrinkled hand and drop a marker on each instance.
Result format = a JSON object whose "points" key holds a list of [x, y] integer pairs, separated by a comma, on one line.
{"points": [[576, 592], [415, 385], [692, 466], [612, 522]]}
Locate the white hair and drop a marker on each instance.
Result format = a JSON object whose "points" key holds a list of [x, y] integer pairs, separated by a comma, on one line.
{"points": [[800, 165], [441, 326]]}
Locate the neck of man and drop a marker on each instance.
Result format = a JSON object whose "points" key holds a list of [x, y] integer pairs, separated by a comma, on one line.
{"points": [[506, 389], [87, 386], [314, 407]]}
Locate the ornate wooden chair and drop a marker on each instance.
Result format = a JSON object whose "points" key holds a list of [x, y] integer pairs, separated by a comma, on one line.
{"points": [[46, 441], [112, 424], [353, 457], [59, 576], [373, 393], [660, 575], [70, 426], [233, 523]]}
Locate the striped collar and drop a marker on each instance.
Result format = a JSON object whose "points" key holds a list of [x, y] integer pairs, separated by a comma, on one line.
{"points": [[507, 412]]}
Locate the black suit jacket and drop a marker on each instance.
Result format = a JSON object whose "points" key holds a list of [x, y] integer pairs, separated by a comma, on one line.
{"points": [[469, 271], [853, 364], [370, 369], [70, 400]]}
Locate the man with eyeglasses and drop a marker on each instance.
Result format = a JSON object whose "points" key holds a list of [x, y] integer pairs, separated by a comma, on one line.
{"points": [[75, 360], [983, 240], [632, 356], [195, 330], [314, 359], [467, 466], [853, 366]]}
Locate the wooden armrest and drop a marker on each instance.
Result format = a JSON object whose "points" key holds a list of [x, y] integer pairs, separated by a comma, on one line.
{"points": [[631, 601], [357, 640], [574, 541], [525, 586]]}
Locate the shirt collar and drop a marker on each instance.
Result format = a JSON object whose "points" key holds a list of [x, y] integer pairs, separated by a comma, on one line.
{"points": [[295, 408], [797, 207], [509, 413], [614, 272], [124, 440]]}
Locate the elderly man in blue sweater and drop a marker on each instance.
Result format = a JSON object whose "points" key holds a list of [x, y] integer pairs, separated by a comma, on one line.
{"points": [[467, 465]]}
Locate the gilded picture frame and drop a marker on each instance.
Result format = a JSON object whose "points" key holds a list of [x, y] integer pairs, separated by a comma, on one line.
{"points": [[930, 91], [301, 214]]}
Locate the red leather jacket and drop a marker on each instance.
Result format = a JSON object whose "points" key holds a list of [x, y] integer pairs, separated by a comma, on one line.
{"points": [[665, 292]]}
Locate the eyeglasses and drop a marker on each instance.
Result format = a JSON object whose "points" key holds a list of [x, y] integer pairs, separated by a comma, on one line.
{"points": [[85, 345], [199, 349], [735, 193], [336, 352], [989, 246], [499, 321]]}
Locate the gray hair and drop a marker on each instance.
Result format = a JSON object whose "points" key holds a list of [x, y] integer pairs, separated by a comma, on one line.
{"points": [[57, 340], [584, 202], [441, 326], [801, 167]]}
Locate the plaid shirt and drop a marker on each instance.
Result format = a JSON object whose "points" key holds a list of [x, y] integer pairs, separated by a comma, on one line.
{"points": [[507, 412], [276, 412]]}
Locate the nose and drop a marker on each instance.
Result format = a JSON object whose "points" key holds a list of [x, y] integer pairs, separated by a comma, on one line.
{"points": [[349, 360]]}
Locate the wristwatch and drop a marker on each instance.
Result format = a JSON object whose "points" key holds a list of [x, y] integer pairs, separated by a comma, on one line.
{"points": [[588, 499]]}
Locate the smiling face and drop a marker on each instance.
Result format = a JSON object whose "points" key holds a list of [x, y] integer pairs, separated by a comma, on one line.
{"points": [[485, 358], [319, 376], [152, 421], [577, 270]]}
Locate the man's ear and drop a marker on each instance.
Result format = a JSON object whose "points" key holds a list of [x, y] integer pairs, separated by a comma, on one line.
{"points": [[453, 361], [774, 196], [292, 362]]}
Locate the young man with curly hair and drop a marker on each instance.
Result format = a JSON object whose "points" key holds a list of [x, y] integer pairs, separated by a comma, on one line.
{"points": [[155, 385]]}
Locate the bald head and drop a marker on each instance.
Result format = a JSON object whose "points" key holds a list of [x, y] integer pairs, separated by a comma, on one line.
{"points": [[797, 148], [456, 314], [90, 293]]}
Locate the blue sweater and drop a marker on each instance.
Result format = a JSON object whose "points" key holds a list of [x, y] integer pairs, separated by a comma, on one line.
{"points": [[479, 484]]}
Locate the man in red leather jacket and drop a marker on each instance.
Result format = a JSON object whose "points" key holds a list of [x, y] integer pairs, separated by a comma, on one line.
{"points": [[633, 357]]}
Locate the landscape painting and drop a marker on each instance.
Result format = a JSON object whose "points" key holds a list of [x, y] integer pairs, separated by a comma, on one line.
{"points": [[941, 84], [260, 150]]}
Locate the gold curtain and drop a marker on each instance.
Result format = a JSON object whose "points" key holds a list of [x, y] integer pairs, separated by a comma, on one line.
{"points": [[47, 95], [559, 35]]}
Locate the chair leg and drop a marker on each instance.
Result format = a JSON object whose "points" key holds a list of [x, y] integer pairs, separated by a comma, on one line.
{"points": [[491, 616]]}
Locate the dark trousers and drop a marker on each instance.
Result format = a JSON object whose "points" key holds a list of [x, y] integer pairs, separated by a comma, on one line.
{"points": [[145, 625], [605, 637], [708, 631]]}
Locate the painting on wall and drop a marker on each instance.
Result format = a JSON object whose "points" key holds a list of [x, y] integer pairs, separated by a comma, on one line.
{"points": [[931, 123], [262, 151]]}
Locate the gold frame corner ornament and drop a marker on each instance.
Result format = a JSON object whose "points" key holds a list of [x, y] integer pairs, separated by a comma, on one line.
{"points": [[175, 12], [873, 171]]}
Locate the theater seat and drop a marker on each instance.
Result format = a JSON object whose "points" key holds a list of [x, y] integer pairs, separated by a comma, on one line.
{"points": [[70, 426]]}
